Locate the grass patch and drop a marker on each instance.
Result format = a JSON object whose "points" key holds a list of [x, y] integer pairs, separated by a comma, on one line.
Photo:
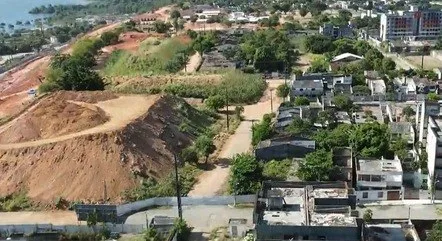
{"points": [[167, 57], [165, 187], [15, 202], [277, 170]]}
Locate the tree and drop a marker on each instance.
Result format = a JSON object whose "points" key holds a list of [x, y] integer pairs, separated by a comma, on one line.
{"points": [[318, 44], [370, 139], [299, 127], [282, 91], [262, 130], [193, 18], [109, 38], [318, 65], [327, 117], [161, 27], [215, 102], [368, 215], [175, 14], [189, 155], [408, 111], [205, 147], [303, 12], [433, 97], [388, 64], [151, 234], [182, 229], [316, 166], [203, 43], [343, 102], [238, 111], [399, 147], [338, 137], [92, 219], [245, 175], [301, 100]]}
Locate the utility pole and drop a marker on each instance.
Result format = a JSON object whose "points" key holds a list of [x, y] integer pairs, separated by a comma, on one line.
{"points": [[178, 194], [227, 108], [105, 191], [271, 101]]}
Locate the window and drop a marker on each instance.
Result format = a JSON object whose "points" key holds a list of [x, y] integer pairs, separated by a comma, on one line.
{"points": [[301, 89], [380, 194], [313, 89], [365, 195]]}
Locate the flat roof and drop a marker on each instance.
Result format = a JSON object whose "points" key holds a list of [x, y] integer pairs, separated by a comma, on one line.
{"points": [[294, 205], [379, 166], [294, 214], [400, 127], [317, 83], [386, 232]]}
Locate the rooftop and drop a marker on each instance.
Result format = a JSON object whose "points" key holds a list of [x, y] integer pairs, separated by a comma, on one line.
{"points": [[287, 140], [378, 166], [346, 57], [391, 232], [296, 204], [317, 83], [400, 127]]}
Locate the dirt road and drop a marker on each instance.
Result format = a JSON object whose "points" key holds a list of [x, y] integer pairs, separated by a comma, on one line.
{"points": [[212, 182], [121, 111], [193, 64]]}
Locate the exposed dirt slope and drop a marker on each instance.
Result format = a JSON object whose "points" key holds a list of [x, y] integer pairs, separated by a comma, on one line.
{"points": [[83, 167], [56, 115]]}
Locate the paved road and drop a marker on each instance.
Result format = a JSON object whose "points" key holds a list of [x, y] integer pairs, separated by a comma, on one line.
{"points": [[212, 182], [203, 218]]}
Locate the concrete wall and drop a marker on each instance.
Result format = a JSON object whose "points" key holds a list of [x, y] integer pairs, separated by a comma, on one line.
{"points": [[280, 232], [34, 228], [373, 195], [186, 201]]}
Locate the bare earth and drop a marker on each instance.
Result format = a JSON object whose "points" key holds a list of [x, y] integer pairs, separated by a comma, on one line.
{"points": [[121, 111], [212, 183], [56, 218], [194, 62]]}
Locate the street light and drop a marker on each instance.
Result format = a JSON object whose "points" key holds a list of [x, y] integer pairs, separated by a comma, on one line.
{"points": [[177, 181], [433, 190]]}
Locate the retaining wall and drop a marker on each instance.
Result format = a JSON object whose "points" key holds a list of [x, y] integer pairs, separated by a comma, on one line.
{"points": [[185, 201], [41, 228]]}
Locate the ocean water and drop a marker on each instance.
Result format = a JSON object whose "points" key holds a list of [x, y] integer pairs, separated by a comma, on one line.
{"points": [[17, 10]]}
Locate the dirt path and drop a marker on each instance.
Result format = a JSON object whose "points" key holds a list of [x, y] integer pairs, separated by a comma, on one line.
{"points": [[212, 182], [121, 111], [194, 62]]}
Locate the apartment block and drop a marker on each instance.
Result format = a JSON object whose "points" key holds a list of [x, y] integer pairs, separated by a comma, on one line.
{"points": [[414, 24]]}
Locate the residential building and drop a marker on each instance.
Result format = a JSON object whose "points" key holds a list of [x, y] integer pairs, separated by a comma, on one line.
{"points": [[330, 30], [305, 211], [307, 88], [329, 81], [434, 152], [402, 130], [414, 24], [284, 147], [377, 86], [379, 180], [145, 21], [344, 59], [343, 158], [286, 115], [419, 85]]}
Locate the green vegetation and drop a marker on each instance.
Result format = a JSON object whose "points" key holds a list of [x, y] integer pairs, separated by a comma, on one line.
{"points": [[15, 202], [368, 216], [180, 227], [370, 139], [74, 72], [204, 146], [316, 166], [301, 100], [277, 170], [168, 57], [283, 91], [245, 175], [164, 187], [262, 130], [268, 50], [241, 88]]}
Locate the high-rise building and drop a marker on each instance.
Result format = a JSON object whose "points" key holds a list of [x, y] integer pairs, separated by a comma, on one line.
{"points": [[414, 24]]}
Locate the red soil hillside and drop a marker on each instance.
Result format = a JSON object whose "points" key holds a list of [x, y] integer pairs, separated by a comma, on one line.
{"points": [[77, 166]]}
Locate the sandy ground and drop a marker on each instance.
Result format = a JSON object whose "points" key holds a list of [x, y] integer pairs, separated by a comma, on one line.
{"points": [[429, 62], [194, 62], [55, 217], [213, 182], [121, 111]]}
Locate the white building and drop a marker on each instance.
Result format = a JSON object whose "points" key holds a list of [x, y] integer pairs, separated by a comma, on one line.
{"points": [[434, 151], [306, 88], [377, 86], [411, 25], [379, 180]]}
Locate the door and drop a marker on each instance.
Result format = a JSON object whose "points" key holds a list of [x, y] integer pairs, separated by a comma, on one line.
{"points": [[393, 195]]}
